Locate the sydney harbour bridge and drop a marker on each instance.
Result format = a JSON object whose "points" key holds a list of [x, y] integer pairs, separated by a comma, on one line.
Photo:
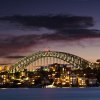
{"points": [[43, 58]]}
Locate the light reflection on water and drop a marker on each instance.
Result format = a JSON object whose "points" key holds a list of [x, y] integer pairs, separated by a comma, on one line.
{"points": [[50, 94]]}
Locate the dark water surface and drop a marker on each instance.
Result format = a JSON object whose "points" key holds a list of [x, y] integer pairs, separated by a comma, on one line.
{"points": [[50, 94]]}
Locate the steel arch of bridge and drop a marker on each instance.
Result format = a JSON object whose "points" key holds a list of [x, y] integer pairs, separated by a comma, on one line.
{"points": [[69, 58]]}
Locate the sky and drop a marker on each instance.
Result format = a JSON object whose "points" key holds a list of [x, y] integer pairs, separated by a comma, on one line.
{"points": [[27, 26]]}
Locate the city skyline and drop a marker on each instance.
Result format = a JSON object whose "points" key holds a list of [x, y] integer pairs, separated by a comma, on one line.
{"points": [[71, 26]]}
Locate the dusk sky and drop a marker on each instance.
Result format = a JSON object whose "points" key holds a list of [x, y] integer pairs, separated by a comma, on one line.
{"points": [[71, 26]]}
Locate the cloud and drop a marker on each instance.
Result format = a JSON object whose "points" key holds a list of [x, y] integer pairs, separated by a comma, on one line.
{"points": [[9, 45], [4, 64], [54, 28], [23, 43], [51, 22], [80, 33], [15, 57]]}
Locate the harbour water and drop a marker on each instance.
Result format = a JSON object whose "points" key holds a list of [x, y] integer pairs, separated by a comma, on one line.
{"points": [[50, 94]]}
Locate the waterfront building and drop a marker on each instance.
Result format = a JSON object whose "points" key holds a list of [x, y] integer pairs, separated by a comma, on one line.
{"points": [[82, 81], [92, 81], [73, 80]]}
